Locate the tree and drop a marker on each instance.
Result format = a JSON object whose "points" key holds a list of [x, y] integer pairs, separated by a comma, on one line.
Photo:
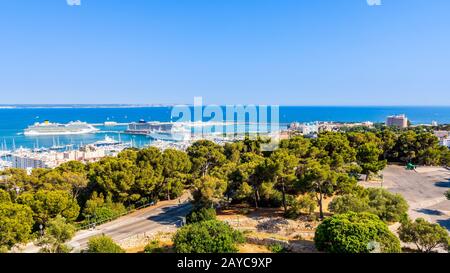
{"points": [[304, 204], [388, 140], [47, 204], [298, 146], [347, 203], [114, 177], [245, 179], [207, 237], [284, 166], [201, 214], [426, 236], [447, 194], [14, 179], [355, 233], [333, 149], [73, 167], [318, 179], [5, 197], [74, 182], [208, 190], [16, 223], [233, 151], [368, 157], [176, 165], [205, 155], [56, 234], [103, 244], [388, 206], [98, 209], [445, 156]]}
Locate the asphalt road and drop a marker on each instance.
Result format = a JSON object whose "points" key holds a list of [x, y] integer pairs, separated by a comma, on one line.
{"points": [[165, 216], [423, 189], [149, 220]]}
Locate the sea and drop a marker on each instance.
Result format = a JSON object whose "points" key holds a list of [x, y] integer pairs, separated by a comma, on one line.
{"points": [[14, 119]]}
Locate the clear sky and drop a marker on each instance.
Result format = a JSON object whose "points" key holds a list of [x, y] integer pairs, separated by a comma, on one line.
{"points": [[288, 52]]}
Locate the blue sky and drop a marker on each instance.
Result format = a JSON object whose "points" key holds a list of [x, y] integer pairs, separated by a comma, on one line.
{"points": [[288, 52]]}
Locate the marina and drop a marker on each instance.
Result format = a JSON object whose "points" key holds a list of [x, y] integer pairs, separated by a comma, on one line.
{"points": [[124, 124]]}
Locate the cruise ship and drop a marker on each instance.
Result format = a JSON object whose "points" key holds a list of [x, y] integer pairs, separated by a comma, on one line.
{"points": [[47, 128], [160, 130]]}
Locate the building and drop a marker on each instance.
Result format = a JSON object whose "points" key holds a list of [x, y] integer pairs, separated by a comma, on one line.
{"points": [[444, 137], [29, 159], [145, 128], [400, 121], [26, 159], [445, 142]]}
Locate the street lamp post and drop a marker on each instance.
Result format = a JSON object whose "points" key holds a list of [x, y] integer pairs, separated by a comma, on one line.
{"points": [[41, 228]]}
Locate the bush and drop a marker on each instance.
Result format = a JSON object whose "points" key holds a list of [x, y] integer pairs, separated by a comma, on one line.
{"points": [[16, 223], [355, 233], [426, 236], [277, 248], [270, 197], [347, 203], [201, 214], [107, 212], [388, 206], [305, 204], [57, 233], [154, 247], [207, 237], [98, 210], [103, 244]]}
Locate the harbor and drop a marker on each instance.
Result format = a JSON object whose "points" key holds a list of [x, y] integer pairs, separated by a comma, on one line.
{"points": [[61, 137]]}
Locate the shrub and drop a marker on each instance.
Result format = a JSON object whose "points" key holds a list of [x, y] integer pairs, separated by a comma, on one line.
{"points": [[103, 244], [426, 236], [154, 247], [355, 233], [270, 197], [388, 206], [305, 204], [57, 233], [201, 214], [97, 209], [16, 223], [107, 212], [348, 202], [277, 248], [207, 237]]}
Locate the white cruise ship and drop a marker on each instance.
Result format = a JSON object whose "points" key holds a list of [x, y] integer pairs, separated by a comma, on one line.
{"points": [[160, 130], [50, 129]]}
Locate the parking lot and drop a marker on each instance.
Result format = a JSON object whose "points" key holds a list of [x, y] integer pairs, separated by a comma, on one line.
{"points": [[424, 190]]}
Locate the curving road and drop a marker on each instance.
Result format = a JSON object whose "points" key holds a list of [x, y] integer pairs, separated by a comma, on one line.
{"points": [[164, 216]]}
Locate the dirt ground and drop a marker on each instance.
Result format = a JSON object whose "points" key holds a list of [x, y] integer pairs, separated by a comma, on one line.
{"points": [[266, 226]]}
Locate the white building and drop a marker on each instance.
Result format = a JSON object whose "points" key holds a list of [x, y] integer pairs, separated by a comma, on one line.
{"points": [[28, 159], [444, 137], [445, 142]]}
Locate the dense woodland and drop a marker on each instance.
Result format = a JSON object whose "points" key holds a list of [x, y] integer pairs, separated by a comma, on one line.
{"points": [[295, 177]]}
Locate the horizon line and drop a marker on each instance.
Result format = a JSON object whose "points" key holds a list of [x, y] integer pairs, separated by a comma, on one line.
{"points": [[124, 105]]}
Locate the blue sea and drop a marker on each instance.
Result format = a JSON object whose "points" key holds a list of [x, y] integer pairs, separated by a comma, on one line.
{"points": [[13, 120]]}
